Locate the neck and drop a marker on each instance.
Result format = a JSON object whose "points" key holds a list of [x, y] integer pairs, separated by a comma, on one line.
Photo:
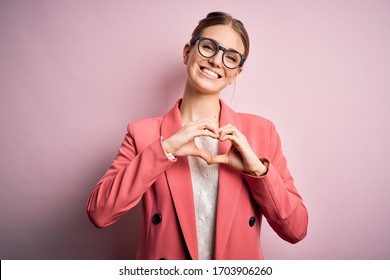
{"points": [[195, 106]]}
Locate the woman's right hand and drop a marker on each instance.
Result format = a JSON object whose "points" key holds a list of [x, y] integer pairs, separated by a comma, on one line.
{"points": [[182, 142]]}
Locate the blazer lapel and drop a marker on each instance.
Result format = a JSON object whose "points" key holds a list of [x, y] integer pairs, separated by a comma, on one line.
{"points": [[180, 184], [230, 185]]}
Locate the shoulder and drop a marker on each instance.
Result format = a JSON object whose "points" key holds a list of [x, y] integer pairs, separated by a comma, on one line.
{"points": [[144, 132]]}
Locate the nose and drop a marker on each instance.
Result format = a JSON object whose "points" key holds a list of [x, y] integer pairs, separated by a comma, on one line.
{"points": [[216, 60]]}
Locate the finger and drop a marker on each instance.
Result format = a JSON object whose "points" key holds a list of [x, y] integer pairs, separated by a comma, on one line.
{"points": [[236, 141], [203, 124], [240, 145], [205, 132], [228, 135], [209, 125], [231, 131], [225, 127], [228, 129]]}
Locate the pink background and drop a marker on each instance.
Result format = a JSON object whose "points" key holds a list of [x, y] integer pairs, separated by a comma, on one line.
{"points": [[74, 73]]}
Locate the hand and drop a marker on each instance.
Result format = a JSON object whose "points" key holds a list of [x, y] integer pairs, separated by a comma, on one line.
{"points": [[240, 154], [182, 142]]}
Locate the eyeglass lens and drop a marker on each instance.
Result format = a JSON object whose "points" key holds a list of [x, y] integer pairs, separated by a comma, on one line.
{"points": [[208, 48]]}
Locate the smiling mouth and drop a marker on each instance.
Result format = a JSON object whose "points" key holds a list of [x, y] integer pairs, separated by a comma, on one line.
{"points": [[210, 73]]}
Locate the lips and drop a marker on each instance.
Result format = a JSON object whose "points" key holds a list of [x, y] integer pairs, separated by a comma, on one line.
{"points": [[210, 73]]}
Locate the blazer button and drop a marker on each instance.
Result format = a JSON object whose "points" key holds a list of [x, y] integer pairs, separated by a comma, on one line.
{"points": [[252, 221], [163, 259], [156, 219]]}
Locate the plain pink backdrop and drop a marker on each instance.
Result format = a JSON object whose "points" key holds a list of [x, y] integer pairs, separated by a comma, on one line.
{"points": [[74, 73]]}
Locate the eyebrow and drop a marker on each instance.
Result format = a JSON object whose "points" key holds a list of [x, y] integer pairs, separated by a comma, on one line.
{"points": [[229, 49]]}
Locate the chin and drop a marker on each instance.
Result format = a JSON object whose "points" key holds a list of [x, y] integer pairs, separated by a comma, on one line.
{"points": [[205, 85]]}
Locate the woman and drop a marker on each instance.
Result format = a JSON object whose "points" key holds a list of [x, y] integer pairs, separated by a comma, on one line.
{"points": [[205, 174]]}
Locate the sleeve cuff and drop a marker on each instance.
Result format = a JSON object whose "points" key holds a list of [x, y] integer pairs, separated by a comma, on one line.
{"points": [[168, 155]]}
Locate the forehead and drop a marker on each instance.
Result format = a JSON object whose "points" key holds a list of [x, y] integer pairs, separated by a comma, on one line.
{"points": [[225, 36]]}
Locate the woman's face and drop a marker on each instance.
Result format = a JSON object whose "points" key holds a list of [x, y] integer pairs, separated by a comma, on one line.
{"points": [[209, 75]]}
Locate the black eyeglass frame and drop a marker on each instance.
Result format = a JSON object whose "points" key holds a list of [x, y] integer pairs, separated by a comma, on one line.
{"points": [[218, 48]]}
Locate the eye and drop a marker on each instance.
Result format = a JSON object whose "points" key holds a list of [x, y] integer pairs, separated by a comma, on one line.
{"points": [[208, 47], [232, 57]]}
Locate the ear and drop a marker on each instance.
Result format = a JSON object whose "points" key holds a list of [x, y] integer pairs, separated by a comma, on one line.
{"points": [[186, 53]]}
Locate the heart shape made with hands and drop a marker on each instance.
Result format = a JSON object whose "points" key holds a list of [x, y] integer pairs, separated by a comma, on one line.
{"points": [[207, 147], [239, 153]]}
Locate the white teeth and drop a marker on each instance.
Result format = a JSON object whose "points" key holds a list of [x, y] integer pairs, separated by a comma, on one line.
{"points": [[209, 72]]}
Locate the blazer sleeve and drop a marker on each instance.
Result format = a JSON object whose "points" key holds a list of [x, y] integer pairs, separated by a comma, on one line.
{"points": [[128, 178], [277, 195]]}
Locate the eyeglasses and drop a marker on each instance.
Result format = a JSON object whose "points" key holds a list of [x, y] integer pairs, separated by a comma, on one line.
{"points": [[208, 48]]}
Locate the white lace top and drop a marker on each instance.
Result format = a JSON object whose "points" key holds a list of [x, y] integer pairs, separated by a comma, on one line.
{"points": [[205, 188]]}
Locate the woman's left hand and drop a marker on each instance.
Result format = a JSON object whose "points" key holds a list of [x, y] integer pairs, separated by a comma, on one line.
{"points": [[240, 154]]}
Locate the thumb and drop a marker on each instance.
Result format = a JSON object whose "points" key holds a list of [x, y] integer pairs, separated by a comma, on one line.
{"points": [[219, 159], [202, 154]]}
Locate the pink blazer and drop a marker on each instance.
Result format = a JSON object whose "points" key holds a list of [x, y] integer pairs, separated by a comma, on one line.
{"points": [[141, 171]]}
